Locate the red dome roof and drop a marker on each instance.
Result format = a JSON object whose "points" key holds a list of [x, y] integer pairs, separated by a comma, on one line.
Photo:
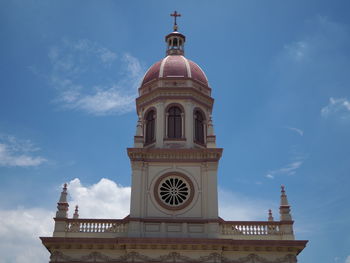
{"points": [[175, 66]]}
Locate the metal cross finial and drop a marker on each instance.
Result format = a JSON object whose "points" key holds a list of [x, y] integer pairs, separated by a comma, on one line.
{"points": [[175, 15]]}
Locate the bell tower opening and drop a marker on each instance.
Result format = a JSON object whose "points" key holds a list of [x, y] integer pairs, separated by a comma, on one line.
{"points": [[175, 40]]}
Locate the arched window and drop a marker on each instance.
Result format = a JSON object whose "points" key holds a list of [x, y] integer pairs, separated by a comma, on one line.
{"points": [[198, 127], [150, 126], [174, 122]]}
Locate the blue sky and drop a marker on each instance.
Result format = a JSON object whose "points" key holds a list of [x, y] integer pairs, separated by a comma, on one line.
{"points": [[280, 75]]}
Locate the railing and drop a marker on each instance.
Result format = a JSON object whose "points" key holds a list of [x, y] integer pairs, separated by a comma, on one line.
{"points": [[96, 226], [250, 228]]}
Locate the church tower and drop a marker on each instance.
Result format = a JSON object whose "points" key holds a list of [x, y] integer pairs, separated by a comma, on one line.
{"points": [[175, 159], [174, 200]]}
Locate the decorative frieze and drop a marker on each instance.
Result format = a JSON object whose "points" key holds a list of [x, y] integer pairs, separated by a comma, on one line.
{"points": [[133, 256], [171, 155]]}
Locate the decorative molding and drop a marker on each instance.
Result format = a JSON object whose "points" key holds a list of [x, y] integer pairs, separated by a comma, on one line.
{"points": [[175, 155], [185, 93], [54, 243], [174, 83], [172, 257], [58, 256]]}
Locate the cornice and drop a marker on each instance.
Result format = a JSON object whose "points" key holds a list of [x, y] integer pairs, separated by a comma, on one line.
{"points": [[175, 155], [172, 82], [174, 93], [174, 243], [134, 256]]}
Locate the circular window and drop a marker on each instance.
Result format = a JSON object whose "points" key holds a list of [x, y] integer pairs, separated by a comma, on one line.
{"points": [[173, 191]]}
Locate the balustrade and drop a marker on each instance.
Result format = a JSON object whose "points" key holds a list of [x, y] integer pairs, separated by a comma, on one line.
{"points": [[96, 226], [250, 228]]}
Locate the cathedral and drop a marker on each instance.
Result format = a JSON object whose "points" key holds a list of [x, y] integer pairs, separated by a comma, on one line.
{"points": [[174, 193]]}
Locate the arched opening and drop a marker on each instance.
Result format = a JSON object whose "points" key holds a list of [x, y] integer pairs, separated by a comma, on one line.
{"points": [[174, 122], [175, 46], [198, 127], [150, 126]]}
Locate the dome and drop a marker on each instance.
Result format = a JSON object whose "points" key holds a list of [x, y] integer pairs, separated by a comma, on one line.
{"points": [[175, 66]]}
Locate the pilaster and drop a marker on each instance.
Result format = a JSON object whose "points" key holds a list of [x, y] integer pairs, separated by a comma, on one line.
{"points": [[160, 123], [189, 124]]}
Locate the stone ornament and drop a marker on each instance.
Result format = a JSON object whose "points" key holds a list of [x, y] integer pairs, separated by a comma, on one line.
{"points": [[173, 191]]}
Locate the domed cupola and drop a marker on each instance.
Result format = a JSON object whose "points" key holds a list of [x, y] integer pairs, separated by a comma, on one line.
{"points": [[175, 65]]}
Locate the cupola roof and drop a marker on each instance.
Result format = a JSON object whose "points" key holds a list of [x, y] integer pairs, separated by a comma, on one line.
{"points": [[175, 65]]}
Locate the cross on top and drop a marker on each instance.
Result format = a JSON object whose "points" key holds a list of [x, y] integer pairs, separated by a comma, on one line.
{"points": [[175, 15]]}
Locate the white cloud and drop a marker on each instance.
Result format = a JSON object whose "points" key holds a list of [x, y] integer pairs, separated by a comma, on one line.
{"points": [[18, 153], [289, 169], [298, 131], [270, 176], [339, 107], [20, 230], [105, 199], [94, 79], [347, 260]]}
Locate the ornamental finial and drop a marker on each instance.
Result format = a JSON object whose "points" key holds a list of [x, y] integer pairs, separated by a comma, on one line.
{"points": [[76, 212], [284, 206], [62, 205], [175, 15], [270, 215]]}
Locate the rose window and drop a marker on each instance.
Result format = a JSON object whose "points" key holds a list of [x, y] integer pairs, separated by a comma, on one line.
{"points": [[174, 191]]}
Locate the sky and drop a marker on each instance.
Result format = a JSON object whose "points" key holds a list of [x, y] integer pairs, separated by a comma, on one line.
{"points": [[280, 76]]}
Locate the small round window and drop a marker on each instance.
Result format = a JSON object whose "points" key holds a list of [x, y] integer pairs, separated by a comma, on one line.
{"points": [[173, 191]]}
